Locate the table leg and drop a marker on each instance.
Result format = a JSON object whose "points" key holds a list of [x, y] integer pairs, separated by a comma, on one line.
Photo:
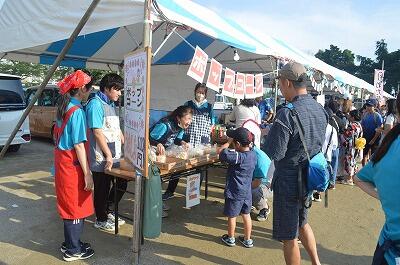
{"points": [[206, 185], [116, 227], [137, 217]]}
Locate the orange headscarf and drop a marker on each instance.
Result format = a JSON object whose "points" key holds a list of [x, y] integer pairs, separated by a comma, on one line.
{"points": [[74, 80]]}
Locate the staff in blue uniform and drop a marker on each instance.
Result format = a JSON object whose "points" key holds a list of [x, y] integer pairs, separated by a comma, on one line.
{"points": [[169, 131], [203, 117]]}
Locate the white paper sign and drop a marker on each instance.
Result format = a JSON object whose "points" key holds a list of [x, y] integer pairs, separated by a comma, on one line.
{"points": [[192, 190], [135, 66], [197, 68], [378, 83]]}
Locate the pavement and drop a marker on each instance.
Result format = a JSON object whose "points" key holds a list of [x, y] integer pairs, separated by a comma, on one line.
{"points": [[31, 231]]}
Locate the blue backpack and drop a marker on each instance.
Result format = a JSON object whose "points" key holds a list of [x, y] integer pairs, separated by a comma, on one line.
{"points": [[318, 167]]}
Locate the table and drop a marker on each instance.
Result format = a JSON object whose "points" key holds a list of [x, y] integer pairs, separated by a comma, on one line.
{"points": [[128, 173]]}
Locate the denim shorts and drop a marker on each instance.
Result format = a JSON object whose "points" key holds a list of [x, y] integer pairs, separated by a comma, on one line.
{"points": [[234, 208]]}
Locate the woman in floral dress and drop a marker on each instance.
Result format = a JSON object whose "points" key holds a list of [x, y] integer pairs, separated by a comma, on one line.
{"points": [[348, 138]]}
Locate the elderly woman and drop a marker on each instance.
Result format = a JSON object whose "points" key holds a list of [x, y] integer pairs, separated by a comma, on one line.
{"points": [[203, 117]]}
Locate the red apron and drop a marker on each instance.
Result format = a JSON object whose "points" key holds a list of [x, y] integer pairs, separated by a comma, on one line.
{"points": [[73, 202]]}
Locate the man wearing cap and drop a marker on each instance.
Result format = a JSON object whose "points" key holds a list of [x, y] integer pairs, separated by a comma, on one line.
{"points": [[283, 145], [371, 121]]}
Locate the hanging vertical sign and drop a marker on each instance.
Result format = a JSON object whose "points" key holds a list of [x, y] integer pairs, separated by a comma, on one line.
{"points": [[249, 91], [229, 83], [136, 127], [378, 83], [214, 76], [197, 69], [240, 85], [259, 85]]}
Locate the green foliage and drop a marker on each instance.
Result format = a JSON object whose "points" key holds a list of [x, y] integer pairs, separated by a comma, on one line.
{"points": [[345, 60]]}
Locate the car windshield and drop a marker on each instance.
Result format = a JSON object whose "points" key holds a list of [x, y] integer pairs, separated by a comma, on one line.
{"points": [[11, 94]]}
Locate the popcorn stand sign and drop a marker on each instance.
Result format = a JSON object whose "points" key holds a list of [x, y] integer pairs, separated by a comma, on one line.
{"points": [[136, 125]]}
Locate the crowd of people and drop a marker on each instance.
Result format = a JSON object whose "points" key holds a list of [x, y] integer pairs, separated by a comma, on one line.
{"points": [[265, 152]]}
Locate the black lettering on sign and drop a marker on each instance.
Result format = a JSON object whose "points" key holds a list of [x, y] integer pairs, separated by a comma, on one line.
{"points": [[140, 143], [139, 160]]}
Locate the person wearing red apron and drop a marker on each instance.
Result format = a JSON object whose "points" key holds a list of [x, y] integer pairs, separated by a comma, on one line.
{"points": [[73, 178]]}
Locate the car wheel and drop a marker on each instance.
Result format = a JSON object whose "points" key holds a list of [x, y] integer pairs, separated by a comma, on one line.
{"points": [[14, 148]]}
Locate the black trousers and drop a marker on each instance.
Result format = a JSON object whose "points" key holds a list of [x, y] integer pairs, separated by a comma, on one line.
{"points": [[72, 234], [104, 196], [172, 184]]}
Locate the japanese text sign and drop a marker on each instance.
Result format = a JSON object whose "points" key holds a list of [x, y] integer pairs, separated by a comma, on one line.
{"points": [[250, 86], [229, 83], [197, 69], [259, 85], [240, 85], [214, 76]]}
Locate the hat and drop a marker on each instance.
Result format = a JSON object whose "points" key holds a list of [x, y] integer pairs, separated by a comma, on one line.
{"points": [[74, 80], [241, 135], [293, 71], [371, 102]]}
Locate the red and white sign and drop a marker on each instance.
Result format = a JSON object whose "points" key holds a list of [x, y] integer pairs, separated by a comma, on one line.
{"points": [[197, 69], [240, 85], [250, 86], [214, 76], [259, 85], [229, 83]]}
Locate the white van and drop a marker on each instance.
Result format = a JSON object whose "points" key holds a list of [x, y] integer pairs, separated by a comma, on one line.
{"points": [[12, 105], [222, 103]]}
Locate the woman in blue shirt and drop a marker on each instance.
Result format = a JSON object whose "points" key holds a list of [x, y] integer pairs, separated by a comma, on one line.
{"points": [[73, 179], [380, 178], [169, 131], [203, 117]]}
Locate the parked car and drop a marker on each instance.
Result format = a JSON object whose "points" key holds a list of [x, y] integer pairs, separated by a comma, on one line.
{"points": [[12, 106], [44, 112], [222, 103]]}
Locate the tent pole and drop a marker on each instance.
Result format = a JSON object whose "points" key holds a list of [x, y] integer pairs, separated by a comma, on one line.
{"points": [[139, 183], [276, 86], [50, 73]]}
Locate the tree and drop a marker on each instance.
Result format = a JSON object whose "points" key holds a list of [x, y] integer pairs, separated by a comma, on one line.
{"points": [[343, 60], [381, 51]]}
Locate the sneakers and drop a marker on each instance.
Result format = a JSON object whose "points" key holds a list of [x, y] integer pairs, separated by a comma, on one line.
{"points": [[164, 214], [111, 219], [263, 214], [105, 226], [247, 243], [167, 195], [68, 256], [331, 186], [229, 241], [84, 246], [165, 207], [317, 197]]}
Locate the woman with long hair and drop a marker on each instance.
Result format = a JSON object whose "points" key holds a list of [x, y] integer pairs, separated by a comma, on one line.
{"points": [[380, 178], [391, 116], [73, 178]]}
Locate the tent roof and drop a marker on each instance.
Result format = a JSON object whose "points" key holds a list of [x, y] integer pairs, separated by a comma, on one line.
{"points": [[37, 30]]}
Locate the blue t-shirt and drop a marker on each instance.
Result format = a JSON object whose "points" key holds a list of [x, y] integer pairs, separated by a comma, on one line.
{"points": [[240, 173], [262, 166], [95, 111], [160, 129], [369, 123], [75, 130], [265, 108], [385, 176]]}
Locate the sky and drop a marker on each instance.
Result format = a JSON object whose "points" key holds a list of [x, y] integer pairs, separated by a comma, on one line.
{"points": [[311, 25]]}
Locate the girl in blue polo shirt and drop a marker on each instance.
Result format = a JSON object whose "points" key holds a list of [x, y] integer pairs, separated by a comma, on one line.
{"points": [[380, 178], [73, 178]]}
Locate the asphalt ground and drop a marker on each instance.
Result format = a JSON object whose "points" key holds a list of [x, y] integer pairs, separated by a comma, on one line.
{"points": [[31, 231]]}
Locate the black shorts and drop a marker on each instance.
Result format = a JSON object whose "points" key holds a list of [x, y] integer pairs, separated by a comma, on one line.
{"points": [[289, 212], [371, 148]]}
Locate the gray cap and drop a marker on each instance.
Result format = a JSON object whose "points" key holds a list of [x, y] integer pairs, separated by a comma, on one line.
{"points": [[292, 71]]}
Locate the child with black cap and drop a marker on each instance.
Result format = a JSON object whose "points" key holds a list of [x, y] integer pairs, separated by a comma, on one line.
{"points": [[242, 161]]}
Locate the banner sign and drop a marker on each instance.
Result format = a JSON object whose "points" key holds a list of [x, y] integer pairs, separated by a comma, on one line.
{"points": [[214, 76], [197, 69], [250, 86], [229, 83], [378, 83], [192, 190], [240, 85], [259, 85], [136, 108]]}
